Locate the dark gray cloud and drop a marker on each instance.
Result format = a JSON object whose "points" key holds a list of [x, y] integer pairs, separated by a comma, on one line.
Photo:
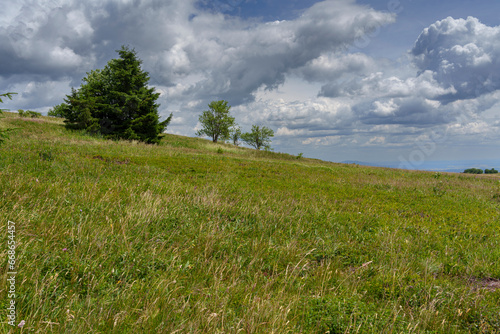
{"points": [[207, 54], [46, 39], [237, 61], [335, 66]]}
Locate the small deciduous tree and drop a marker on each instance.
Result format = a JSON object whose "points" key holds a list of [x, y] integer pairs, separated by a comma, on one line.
{"points": [[235, 135], [259, 137], [216, 121]]}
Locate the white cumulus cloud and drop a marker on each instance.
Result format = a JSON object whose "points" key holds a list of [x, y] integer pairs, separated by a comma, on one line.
{"points": [[463, 54]]}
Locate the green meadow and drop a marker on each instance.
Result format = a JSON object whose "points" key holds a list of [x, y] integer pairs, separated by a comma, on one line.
{"points": [[189, 236]]}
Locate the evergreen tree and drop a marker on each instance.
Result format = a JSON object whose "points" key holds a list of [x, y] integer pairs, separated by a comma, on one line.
{"points": [[58, 111], [116, 102], [8, 95]]}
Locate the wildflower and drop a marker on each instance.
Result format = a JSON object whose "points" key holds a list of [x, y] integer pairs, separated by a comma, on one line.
{"points": [[65, 249], [21, 324]]}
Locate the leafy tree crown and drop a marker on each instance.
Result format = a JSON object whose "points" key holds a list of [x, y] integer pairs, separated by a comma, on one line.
{"points": [[216, 121], [259, 137]]}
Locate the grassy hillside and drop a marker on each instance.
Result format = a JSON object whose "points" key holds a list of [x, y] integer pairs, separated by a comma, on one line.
{"points": [[195, 237]]}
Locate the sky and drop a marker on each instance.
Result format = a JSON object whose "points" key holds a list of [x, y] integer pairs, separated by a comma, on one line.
{"points": [[404, 81]]}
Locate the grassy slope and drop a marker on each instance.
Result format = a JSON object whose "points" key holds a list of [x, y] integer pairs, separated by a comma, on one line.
{"points": [[119, 237]]}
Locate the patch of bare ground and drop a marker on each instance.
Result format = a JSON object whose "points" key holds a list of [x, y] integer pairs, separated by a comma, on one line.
{"points": [[36, 120], [118, 162], [44, 119], [490, 284]]}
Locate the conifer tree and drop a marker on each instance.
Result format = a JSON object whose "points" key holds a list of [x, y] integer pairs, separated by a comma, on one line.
{"points": [[117, 102]]}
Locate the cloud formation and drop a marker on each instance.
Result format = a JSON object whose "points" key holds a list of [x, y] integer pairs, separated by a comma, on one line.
{"points": [[455, 60], [463, 54], [196, 55], [235, 58], [203, 54]]}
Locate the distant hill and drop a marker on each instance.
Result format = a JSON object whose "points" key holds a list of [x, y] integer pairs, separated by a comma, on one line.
{"points": [[436, 166]]}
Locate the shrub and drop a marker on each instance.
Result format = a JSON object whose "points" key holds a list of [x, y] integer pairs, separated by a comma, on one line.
{"points": [[473, 171], [33, 114], [28, 113]]}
